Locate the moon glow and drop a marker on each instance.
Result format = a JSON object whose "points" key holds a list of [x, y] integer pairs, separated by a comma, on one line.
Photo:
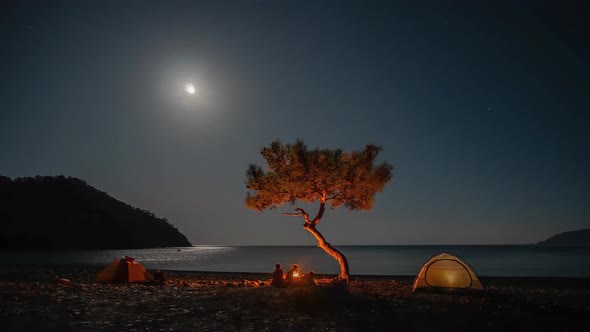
{"points": [[190, 88]]}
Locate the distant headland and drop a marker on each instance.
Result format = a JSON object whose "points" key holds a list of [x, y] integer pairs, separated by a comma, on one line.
{"points": [[58, 212], [579, 237]]}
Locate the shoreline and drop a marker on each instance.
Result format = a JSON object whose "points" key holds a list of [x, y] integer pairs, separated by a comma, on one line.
{"points": [[32, 299], [573, 281]]}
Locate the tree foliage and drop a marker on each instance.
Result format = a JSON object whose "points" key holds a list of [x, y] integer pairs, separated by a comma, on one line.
{"points": [[296, 173]]}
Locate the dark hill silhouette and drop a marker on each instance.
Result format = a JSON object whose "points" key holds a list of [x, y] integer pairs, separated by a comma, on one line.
{"points": [[47, 212], [579, 237]]}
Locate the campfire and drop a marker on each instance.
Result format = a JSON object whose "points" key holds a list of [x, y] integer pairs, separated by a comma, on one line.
{"points": [[295, 274]]}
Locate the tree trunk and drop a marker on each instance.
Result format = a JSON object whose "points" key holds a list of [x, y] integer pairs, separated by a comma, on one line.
{"points": [[337, 255]]}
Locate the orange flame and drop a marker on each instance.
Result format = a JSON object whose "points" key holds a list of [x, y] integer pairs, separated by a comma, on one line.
{"points": [[295, 274]]}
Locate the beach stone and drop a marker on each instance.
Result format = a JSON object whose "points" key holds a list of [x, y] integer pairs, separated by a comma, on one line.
{"points": [[64, 282]]}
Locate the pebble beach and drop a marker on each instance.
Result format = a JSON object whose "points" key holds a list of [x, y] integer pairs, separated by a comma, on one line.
{"points": [[36, 298]]}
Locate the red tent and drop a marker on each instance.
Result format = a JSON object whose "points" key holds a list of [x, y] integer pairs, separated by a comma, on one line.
{"points": [[124, 270]]}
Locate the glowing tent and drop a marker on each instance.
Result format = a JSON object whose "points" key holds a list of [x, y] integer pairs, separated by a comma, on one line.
{"points": [[124, 270], [446, 272]]}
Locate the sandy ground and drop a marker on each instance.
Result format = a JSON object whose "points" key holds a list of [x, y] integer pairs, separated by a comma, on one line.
{"points": [[32, 300]]}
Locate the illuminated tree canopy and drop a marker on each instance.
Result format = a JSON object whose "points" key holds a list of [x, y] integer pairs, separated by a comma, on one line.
{"points": [[324, 176]]}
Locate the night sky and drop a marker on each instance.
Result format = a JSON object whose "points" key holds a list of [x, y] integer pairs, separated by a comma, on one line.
{"points": [[481, 106]]}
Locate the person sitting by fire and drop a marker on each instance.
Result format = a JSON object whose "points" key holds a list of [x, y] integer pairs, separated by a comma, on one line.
{"points": [[277, 277], [292, 273]]}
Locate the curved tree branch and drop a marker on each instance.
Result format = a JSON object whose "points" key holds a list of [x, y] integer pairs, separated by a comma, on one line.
{"points": [[337, 255], [301, 213], [320, 214]]}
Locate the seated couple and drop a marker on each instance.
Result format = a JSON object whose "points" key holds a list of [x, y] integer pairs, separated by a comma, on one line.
{"points": [[294, 277]]}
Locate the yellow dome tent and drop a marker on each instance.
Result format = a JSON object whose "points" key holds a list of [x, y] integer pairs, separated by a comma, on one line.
{"points": [[124, 270], [446, 272]]}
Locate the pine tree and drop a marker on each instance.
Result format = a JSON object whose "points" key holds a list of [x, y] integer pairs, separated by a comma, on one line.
{"points": [[324, 176]]}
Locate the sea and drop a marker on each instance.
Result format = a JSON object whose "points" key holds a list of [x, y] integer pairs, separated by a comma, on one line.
{"points": [[398, 260]]}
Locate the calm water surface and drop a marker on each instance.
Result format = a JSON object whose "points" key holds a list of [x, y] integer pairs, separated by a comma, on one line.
{"points": [[508, 260]]}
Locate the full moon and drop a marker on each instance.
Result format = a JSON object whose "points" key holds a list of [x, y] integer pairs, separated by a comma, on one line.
{"points": [[190, 88]]}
